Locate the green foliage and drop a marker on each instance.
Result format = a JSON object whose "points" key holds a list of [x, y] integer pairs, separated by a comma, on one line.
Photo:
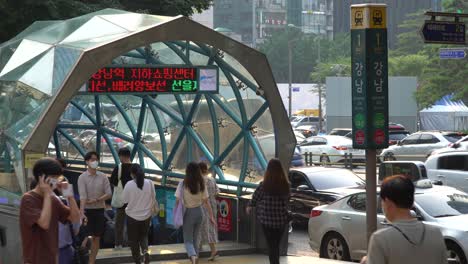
{"points": [[18, 14]]}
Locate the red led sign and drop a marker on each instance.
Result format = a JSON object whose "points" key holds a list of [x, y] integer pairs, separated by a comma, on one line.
{"points": [[138, 79]]}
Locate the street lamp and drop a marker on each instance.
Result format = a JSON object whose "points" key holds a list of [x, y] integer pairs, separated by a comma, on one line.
{"points": [[290, 44]]}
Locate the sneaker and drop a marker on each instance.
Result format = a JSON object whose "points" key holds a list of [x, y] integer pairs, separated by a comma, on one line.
{"points": [[118, 247]]}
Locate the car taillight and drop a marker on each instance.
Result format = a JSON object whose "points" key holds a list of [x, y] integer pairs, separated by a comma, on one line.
{"points": [[315, 213], [118, 140], [340, 147]]}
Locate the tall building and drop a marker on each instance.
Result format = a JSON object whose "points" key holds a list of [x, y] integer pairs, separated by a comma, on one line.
{"points": [[205, 18], [317, 17], [397, 11]]}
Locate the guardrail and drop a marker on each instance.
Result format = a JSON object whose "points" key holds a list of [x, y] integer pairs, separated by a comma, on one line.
{"points": [[350, 160]]}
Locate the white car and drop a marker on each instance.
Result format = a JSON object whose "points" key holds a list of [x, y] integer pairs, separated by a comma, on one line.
{"points": [[460, 145], [451, 168], [419, 145], [338, 231], [331, 149]]}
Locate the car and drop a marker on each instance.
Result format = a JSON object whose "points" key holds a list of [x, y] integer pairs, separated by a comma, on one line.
{"points": [[419, 145], [394, 126], [330, 149], [306, 120], [395, 136], [314, 186], [338, 230], [459, 145], [307, 131], [451, 168], [340, 131], [297, 159]]}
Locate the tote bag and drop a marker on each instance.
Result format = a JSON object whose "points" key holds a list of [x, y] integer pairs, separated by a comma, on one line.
{"points": [[117, 201], [179, 210]]}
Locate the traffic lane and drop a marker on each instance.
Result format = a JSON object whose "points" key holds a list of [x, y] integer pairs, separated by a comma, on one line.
{"points": [[299, 243]]}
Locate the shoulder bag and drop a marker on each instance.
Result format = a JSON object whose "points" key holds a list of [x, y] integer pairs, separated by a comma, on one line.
{"points": [[117, 201]]}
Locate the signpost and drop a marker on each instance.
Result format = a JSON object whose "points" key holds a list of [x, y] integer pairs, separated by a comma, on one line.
{"points": [[369, 58], [455, 53], [443, 32]]}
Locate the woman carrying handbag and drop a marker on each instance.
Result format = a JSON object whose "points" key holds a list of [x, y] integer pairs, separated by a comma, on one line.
{"points": [[191, 193], [139, 195]]}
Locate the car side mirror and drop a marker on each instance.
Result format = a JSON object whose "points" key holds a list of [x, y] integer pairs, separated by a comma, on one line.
{"points": [[303, 188], [399, 143], [415, 215], [456, 145]]}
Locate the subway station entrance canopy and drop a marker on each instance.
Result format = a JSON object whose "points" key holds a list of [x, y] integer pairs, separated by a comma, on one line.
{"points": [[47, 106]]}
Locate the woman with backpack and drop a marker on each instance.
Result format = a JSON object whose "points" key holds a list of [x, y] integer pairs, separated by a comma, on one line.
{"points": [[271, 200], [192, 194], [140, 197]]}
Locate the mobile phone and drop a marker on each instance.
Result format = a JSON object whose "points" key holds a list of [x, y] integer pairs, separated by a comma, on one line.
{"points": [[68, 192]]}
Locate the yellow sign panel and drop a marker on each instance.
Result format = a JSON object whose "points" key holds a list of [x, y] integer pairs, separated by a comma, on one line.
{"points": [[368, 16], [31, 158]]}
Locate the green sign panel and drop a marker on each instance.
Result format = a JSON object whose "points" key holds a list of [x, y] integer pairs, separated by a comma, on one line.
{"points": [[369, 88]]}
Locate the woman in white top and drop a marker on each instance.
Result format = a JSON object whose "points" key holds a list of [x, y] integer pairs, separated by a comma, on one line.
{"points": [[138, 195], [194, 194]]}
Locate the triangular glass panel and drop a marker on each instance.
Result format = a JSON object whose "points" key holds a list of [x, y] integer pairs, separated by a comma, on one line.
{"points": [[39, 76], [133, 21], [26, 51], [64, 59], [96, 27]]}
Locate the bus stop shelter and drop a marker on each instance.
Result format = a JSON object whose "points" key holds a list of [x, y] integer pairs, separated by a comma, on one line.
{"points": [[91, 83]]}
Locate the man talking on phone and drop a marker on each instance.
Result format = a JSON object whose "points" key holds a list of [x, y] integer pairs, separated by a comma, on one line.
{"points": [[40, 213]]}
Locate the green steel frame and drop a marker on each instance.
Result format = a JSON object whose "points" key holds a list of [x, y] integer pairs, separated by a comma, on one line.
{"points": [[185, 120]]}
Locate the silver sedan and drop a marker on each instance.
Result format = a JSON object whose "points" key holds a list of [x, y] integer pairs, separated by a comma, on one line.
{"points": [[338, 230]]}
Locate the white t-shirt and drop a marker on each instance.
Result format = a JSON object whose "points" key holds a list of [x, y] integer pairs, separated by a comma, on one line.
{"points": [[191, 200], [139, 201]]}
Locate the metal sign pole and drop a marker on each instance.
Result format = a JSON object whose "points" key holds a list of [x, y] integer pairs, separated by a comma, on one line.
{"points": [[369, 58]]}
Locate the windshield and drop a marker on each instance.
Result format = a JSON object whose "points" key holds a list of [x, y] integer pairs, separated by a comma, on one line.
{"points": [[452, 138], [330, 179], [438, 205]]}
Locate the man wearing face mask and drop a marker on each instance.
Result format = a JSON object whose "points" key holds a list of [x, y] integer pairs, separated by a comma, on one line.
{"points": [[94, 189], [41, 211]]}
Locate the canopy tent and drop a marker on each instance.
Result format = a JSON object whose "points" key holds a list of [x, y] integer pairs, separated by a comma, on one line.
{"points": [[445, 114]]}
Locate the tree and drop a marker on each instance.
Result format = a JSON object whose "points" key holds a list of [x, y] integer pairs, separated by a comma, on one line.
{"points": [[19, 14]]}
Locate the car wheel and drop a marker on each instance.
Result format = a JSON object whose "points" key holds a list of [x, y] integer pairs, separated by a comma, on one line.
{"points": [[455, 253], [389, 156], [324, 160], [334, 247]]}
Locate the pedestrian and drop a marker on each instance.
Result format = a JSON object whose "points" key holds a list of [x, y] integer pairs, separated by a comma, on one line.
{"points": [[94, 189], [139, 195], [193, 192], [69, 230], [405, 240], [120, 176], [209, 230], [41, 211], [271, 200]]}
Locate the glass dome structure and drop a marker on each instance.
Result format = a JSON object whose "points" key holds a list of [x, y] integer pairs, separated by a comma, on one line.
{"points": [[47, 109]]}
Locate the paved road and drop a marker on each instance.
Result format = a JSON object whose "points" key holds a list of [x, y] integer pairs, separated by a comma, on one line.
{"points": [[299, 244]]}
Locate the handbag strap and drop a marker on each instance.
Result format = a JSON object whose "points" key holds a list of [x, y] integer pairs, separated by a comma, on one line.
{"points": [[119, 175], [408, 239]]}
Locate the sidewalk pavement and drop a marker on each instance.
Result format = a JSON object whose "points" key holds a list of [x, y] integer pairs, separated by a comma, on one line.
{"points": [[256, 259]]}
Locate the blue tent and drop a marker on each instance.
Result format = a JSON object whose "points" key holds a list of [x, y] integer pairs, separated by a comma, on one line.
{"points": [[445, 114]]}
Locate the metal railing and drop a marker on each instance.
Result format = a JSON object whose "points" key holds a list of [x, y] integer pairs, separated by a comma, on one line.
{"points": [[350, 160]]}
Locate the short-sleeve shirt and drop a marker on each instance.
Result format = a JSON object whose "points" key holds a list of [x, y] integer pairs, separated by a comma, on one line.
{"points": [[93, 187], [190, 200], [39, 245]]}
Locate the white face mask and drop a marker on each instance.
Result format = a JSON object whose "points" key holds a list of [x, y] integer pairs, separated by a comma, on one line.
{"points": [[93, 164]]}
